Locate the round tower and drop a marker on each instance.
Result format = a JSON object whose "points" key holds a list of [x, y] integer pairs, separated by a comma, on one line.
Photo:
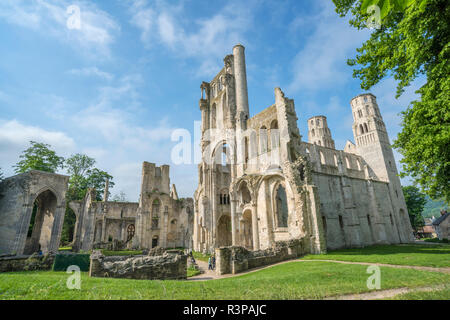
{"points": [[319, 133], [240, 75], [368, 125]]}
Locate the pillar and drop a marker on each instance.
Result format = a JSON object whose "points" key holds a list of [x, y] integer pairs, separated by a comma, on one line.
{"points": [[240, 75], [234, 239], [255, 229]]}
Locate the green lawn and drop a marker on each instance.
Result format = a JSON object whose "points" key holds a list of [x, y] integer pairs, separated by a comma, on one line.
{"points": [[413, 255], [122, 253], [200, 256], [293, 280]]}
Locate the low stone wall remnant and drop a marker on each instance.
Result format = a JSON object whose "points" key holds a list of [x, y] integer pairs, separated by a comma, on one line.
{"points": [[34, 262], [172, 265], [238, 259]]}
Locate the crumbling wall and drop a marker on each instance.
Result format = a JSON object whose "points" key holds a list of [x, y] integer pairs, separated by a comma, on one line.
{"points": [[169, 266], [34, 262], [238, 259]]}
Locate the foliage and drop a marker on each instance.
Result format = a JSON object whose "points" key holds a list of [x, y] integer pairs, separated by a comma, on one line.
{"points": [[436, 240], [83, 176], [433, 208], [63, 261], [192, 272], [415, 202], [39, 156], [122, 253], [387, 6], [409, 44], [200, 256]]}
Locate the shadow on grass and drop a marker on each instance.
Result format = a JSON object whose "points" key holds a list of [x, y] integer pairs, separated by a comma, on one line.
{"points": [[392, 249]]}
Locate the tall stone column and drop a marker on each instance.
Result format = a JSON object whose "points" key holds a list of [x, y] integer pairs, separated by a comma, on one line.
{"points": [[255, 229], [240, 75], [234, 238]]}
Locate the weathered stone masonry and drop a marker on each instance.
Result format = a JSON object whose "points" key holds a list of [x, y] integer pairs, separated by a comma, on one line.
{"points": [[260, 183]]}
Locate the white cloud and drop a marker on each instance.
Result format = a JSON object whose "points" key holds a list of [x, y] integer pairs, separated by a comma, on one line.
{"points": [[92, 72], [50, 17], [321, 62], [206, 39], [16, 136]]}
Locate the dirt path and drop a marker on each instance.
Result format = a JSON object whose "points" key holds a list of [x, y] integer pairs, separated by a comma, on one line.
{"points": [[382, 294], [442, 270]]}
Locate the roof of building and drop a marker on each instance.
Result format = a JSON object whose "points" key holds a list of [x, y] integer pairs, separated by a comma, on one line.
{"points": [[440, 219]]}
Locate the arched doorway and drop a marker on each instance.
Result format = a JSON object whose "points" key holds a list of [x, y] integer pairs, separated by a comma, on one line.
{"points": [[41, 223], [247, 233], [281, 207], [155, 241], [224, 238]]}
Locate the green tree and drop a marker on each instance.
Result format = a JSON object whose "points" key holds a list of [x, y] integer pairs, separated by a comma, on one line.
{"points": [[415, 202], [412, 40], [83, 176], [39, 156]]}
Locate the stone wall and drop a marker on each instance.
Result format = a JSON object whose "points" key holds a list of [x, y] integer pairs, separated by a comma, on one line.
{"points": [[172, 265], [238, 259], [18, 196], [26, 263]]}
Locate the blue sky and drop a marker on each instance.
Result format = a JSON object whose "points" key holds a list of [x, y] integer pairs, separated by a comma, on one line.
{"points": [[116, 88]]}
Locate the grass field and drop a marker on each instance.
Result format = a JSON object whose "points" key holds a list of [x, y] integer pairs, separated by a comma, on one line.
{"points": [[293, 280], [413, 255]]}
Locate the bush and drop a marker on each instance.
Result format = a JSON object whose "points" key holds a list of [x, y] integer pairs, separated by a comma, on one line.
{"points": [[436, 240], [63, 261]]}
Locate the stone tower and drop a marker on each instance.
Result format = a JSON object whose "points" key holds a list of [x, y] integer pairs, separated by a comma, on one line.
{"points": [[240, 76], [372, 144], [319, 133]]}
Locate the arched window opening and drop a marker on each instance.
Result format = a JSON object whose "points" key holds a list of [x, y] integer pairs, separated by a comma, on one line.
{"points": [[274, 135], [263, 142], [335, 160], [359, 164], [245, 194], [322, 158], [366, 128], [41, 223], [213, 116], [313, 133], [224, 107], [155, 241], [347, 163], [341, 222], [130, 232], [361, 129], [281, 207]]}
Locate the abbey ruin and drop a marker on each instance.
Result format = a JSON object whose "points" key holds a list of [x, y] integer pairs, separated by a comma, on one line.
{"points": [[260, 186], [260, 183], [160, 219]]}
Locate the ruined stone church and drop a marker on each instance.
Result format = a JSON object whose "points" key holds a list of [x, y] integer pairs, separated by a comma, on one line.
{"points": [[159, 219], [261, 183]]}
